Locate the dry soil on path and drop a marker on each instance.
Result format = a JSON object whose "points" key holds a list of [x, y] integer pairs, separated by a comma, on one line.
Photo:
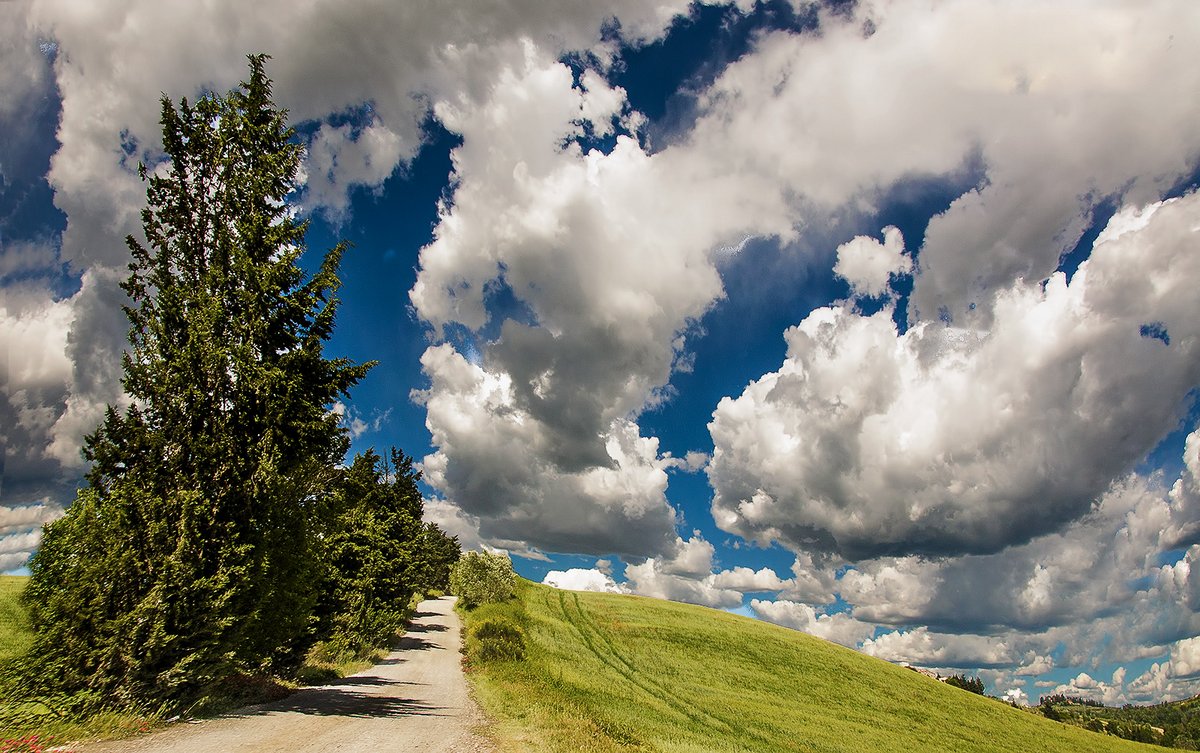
{"points": [[414, 700]]}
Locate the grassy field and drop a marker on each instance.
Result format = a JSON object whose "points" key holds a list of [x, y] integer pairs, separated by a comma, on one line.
{"points": [[14, 634], [606, 672]]}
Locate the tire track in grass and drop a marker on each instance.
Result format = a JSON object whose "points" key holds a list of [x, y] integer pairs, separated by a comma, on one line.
{"points": [[585, 617], [608, 662], [630, 672], [663, 690]]}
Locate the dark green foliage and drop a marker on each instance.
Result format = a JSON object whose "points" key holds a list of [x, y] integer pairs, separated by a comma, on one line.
{"points": [[1049, 711], [482, 578], [190, 557], [1175, 724], [436, 555], [1141, 733], [970, 684], [377, 553], [494, 639], [1056, 699]]}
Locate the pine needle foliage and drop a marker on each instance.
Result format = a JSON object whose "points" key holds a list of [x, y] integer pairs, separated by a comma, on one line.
{"points": [[377, 553], [191, 555]]}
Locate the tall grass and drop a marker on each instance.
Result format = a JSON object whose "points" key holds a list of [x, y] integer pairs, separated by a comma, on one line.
{"points": [[15, 635], [606, 672]]}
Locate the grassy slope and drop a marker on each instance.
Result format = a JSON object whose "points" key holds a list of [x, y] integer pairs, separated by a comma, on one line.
{"points": [[607, 672], [14, 634]]}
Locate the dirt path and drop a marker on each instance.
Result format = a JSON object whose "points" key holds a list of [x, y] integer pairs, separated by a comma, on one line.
{"points": [[414, 700]]}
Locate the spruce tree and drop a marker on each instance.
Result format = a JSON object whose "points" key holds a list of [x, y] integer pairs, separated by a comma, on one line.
{"points": [[368, 550], [377, 553], [190, 556]]}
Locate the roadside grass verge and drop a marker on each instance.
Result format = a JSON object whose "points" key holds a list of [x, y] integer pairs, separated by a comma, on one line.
{"points": [[325, 662], [328, 660], [608, 672], [14, 631]]}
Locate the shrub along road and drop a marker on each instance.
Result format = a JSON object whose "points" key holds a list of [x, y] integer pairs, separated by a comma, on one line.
{"points": [[414, 700]]}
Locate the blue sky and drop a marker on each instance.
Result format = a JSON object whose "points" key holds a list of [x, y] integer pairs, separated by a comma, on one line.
{"points": [[873, 320]]}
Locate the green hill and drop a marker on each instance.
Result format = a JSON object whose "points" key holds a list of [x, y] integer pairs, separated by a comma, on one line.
{"points": [[606, 672], [14, 633]]}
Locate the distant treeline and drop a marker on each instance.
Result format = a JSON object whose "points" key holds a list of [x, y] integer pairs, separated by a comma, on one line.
{"points": [[1173, 725]]}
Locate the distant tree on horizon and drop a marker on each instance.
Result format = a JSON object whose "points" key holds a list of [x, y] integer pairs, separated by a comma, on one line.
{"points": [[970, 684]]}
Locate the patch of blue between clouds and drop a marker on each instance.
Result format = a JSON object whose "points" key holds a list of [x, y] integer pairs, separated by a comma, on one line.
{"points": [[27, 210], [386, 230], [663, 78], [1102, 212], [1155, 331], [536, 569]]}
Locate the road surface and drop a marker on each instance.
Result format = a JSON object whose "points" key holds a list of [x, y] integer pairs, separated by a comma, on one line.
{"points": [[414, 700]]}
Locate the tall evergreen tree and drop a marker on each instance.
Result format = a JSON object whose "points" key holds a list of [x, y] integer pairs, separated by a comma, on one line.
{"points": [[190, 555]]}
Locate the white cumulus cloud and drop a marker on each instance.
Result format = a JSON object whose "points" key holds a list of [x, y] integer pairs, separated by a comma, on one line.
{"points": [[495, 463], [582, 579], [838, 627], [869, 265], [958, 440], [926, 648]]}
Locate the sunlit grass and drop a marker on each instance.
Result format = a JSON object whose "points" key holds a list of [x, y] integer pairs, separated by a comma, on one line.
{"points": [[606, 672], [14, 631]]}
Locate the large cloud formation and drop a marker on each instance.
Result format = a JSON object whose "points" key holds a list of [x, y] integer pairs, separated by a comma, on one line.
{"points": [[361, 78], [972, 465], [1050, 98], [1096, 594], [330, 58], [551, 454], [1010, 422], [961, 440], [610, 256]]}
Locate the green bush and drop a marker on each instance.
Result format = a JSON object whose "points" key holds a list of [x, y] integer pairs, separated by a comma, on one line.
{"points": [[495, 639], [482, 578]]}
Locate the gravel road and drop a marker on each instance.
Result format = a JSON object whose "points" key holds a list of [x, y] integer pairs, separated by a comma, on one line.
{"points": [[414, 700]]}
